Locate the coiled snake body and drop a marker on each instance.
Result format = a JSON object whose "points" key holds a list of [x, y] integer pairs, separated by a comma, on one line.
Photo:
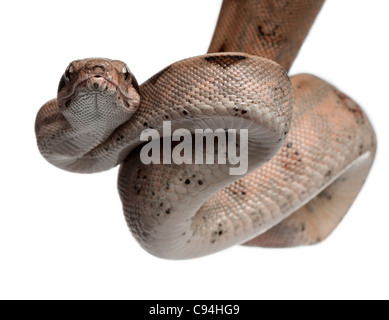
{"points": [[304, 172]]}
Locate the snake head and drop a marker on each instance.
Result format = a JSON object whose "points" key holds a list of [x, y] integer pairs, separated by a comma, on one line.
{"points": [[98, 90]]}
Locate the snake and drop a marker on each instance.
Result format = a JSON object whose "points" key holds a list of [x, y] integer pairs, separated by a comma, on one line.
{"points": [[310, 146]]}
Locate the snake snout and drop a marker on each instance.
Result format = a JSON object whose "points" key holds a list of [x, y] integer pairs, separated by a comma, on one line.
{"points": [[98, 72], [97, 83]]}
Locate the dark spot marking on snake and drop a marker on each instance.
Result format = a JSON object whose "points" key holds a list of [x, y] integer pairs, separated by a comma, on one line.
{"points": [[269, 36], [156, 77], [145, 124], [185, 113], [361, 149], [168, 211], [351, 106], [223, 47], [187, 181], [342, 179], [225, 61], [62, 84], [261, 33], [67, 104], [328, 174], [201, 182], [325, 195], [273, 32], [289, 145]]}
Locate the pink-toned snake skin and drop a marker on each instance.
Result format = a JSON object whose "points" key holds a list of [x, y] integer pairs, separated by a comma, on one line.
{"points": [[310, 146]]}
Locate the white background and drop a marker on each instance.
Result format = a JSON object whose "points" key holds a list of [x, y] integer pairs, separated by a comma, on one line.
{"points": [[63, 235]]}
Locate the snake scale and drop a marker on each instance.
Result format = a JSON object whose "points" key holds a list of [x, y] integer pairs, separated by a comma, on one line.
{"points": [[310, 146]]}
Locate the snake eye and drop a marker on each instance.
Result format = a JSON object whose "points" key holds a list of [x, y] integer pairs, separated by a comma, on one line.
{"points": [[68, 73], [126, 72]]}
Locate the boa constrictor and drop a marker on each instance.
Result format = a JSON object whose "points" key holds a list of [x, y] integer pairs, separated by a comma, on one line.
{"points": [[304, 172]]}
